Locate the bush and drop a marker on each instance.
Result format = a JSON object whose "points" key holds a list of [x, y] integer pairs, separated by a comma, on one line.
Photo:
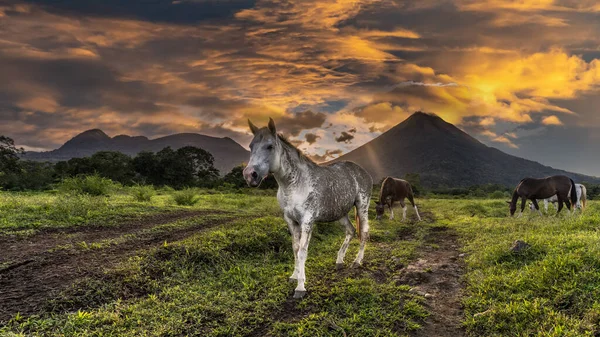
{"points": [[186, 197], [92, 185], [143, 193], [78, 206], [498, 195]]}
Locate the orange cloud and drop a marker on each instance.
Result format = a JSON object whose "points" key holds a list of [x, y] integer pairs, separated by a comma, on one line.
{"points": [[551, 120]]}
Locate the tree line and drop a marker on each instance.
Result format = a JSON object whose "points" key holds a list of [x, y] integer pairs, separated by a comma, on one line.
{"points": [[185, 167]]}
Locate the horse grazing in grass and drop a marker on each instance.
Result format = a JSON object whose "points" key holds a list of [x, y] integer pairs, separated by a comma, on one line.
{"points": [[534, 189], [310, 193], [393, 189], [581, 199]]}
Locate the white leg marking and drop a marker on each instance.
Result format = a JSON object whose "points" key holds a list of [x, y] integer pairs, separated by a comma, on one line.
{"points": [[295, 232], [364, 235], [349, 234], [404, 213], [302, 255], [391, 213], [417, 211]]}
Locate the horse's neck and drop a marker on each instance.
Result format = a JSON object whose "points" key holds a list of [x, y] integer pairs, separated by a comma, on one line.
{"points": [[292, 168]]}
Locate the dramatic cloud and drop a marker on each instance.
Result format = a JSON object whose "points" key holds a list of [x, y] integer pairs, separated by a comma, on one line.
{"points": [[156, 68], [328, 155], [311, 138], [345, 137], [551, 120]]}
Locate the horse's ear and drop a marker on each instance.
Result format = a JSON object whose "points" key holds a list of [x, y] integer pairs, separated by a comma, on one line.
{"points": [[253, 127], [272, 126]]}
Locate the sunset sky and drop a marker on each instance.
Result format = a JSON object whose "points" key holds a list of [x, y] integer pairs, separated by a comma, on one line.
{"points": [[522, 76]]}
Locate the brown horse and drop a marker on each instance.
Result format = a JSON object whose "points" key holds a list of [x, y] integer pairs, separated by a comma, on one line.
{"points": [[534, 189], [393, 189]]}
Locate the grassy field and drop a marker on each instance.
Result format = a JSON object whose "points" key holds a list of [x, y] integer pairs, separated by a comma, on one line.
{"points": [[109, 266]]}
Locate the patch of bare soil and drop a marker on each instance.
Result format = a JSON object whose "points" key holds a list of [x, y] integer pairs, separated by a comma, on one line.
{"points": [[16, 250], [436, 275], [39, 274]]}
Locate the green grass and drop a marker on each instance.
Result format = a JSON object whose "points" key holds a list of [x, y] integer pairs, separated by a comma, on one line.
{"points": [[231, 280], [551, 289]]}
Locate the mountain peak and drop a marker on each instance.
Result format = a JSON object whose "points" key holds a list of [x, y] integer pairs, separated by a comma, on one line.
{"points": [[443, 156], [95, 133]]}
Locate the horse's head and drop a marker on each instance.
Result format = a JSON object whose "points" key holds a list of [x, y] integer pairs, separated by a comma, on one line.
{"points": [[265, 150], [379, 210], [512, 207]]}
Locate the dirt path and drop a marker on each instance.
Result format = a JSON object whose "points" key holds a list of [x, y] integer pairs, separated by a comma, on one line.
{"points": [[39, 274], [436, 275], [16, 250]]}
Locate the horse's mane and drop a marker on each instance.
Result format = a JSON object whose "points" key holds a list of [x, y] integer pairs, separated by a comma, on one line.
{"points": [[301, 155]]}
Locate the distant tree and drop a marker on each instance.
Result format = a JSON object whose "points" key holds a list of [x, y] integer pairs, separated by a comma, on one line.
{"points": [[235, 177], [30, 175], [415, 182], [201, 164], [61, 170], [9, 155], [186, 167], [146, 167], [79, 166], [113, 165]]}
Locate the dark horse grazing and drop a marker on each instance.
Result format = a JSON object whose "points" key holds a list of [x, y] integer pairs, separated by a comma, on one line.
{"points": [[310, 193], [534, 189], [393, 189]]}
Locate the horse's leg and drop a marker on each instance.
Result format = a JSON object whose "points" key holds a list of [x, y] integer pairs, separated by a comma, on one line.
{"points": [[535, 204], [560, 205], [390, 205], [546, 205], [306, 232], [403, 204], [412, 202], [523, 203], [362, 207], [295, 232], [339, 263]]}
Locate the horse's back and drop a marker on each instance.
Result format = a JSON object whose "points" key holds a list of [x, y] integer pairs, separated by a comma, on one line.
{"points": [[543, 188], [354, 171]]}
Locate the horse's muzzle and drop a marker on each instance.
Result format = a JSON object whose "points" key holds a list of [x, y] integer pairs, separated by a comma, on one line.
{"points": [[253, 179]]}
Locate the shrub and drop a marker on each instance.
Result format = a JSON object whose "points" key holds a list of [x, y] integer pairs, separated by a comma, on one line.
{"points": [[77, 206], [186, 197], [92, 185], [498, 195], [143, 193]]}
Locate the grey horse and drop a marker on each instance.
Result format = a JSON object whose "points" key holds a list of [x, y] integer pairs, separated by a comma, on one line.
{"points": [[310, 193]]}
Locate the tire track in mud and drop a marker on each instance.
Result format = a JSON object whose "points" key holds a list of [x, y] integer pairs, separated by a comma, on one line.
{"points": [[40, 274], [14, 250]]}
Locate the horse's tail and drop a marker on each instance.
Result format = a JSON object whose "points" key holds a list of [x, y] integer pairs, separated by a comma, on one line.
{"points": [[357, 219], [411, 195], [573, 193]]}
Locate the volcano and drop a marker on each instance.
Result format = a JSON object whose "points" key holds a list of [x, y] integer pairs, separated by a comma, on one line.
{"points": [[444, 156]]}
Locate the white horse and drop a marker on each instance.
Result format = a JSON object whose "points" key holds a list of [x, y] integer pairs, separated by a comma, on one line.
{"points": [[310, 193], [581, 199]]}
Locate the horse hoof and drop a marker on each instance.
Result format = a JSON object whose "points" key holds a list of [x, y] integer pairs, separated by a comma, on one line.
{"points": [[299, 293], [292, 280], [356, 265], [339, 266]]}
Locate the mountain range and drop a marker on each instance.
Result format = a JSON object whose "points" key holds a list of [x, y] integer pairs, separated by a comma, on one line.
{"points": [[442, 154], [226, 151], [445, 156]]}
